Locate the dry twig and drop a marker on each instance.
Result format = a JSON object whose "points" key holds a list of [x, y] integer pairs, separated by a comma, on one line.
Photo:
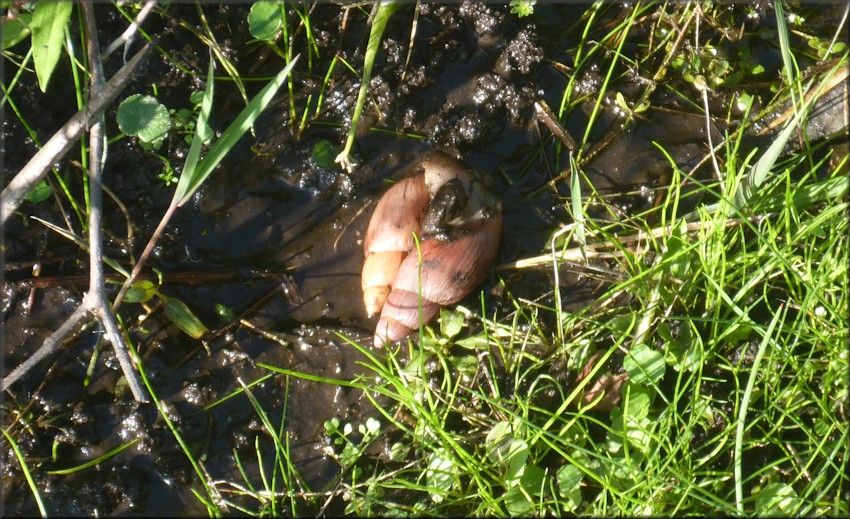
{"points": [[95, 301]]}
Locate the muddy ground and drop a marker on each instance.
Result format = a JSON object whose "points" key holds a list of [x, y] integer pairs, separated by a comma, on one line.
{"points": [[277, 238]]}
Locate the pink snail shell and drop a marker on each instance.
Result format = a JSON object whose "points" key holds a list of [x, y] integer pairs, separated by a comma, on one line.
{"points": [[452, 265], [389, 238]]}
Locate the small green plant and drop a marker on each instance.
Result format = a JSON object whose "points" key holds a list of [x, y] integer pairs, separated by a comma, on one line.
{"points": [[522, 8], [349, 453], [352, 449], [145, 118], [49, 21], [384, 9]]}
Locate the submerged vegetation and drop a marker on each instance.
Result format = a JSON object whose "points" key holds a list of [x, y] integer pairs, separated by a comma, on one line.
{"points": [[707, 374]]}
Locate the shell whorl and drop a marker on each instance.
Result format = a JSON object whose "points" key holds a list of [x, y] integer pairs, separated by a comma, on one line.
{"points": [[389, 238]]}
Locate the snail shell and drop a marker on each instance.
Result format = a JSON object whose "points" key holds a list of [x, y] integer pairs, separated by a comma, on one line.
{"points": [[389, 238], [460, 225], [450, 270]]}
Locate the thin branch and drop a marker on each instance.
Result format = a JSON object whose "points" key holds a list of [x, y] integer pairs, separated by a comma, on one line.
{"points": [[64, 139], [137, 268], [127, 36], [51, 344], [96, 298]]}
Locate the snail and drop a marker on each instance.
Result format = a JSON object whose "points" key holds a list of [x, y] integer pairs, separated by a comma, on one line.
{"points": [[389, 238], [458, 218]]}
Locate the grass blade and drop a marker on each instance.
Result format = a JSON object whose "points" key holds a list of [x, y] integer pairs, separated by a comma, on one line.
{"points": [[761, 170], [202, 134], [96, 461], [784, 45], [26, 471], [385, 10], [195, 177], [742, 410]]}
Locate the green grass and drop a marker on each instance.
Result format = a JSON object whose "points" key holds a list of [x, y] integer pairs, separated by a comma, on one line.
{"points": [[735, 345], [722, 330], [733, 339]]}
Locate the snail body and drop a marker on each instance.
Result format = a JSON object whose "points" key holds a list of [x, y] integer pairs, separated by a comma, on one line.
{"points": [[459, 229]]}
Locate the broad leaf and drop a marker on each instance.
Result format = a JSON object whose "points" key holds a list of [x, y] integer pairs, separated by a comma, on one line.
{"points": [[144, 117], [644, 364], [140, 292], [180, 314], [15, 30], [48, 32], [440, 475], [40, 192], [450, 322], [323, 154], [264, 20]]}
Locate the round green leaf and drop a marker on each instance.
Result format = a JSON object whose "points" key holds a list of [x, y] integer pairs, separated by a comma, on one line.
{"points": [[676, 257], [517, 504], [264, 20], [440, 475], [569, 480], [450, 322], [398, 452], [324, 153], [496, 441], [517, 455], [636, 406], [776, 499], [40, 192], [144, 117], [534, 481]]}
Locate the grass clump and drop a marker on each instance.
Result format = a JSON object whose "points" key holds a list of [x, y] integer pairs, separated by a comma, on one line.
{"points": [[709, 378]]}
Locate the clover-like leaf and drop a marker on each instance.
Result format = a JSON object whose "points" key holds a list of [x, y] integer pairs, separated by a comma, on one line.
{"points": [[40, 192], [140, 292], [440, 475], [264, 20], [450, 322], [776, 499], [644, 364], [324, 153], [569, 482], [144, 117]]}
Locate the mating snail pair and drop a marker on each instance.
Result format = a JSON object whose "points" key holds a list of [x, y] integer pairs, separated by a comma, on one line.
{"points": [[458, 219]]}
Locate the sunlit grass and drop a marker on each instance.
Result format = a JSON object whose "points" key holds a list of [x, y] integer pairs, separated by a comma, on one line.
{"points": [[729, 340], [733, 340], [723, 332]]}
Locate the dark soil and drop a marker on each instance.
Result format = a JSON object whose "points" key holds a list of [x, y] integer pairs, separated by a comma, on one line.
{"points": [[277, 238]]}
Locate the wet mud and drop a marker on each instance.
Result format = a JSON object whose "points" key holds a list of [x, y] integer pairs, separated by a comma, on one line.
{"points": [[268, 253]]}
